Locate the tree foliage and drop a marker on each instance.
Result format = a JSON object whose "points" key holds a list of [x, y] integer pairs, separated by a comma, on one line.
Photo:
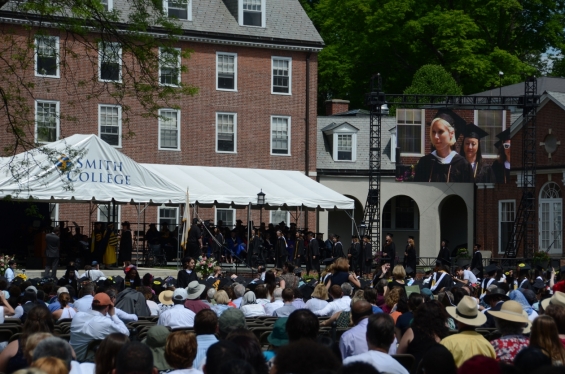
{"points": [[433, 80], [142, 31], [473, 40]]}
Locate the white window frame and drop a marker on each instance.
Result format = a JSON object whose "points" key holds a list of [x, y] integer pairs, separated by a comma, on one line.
{"points": [[161, 51], [119, 218], [216, 216], [289, 120], [119, 122], [424, 135], [188, 13], [234, 131], [476, 121], [110, 5], [54, 211], [100, 49], [289, 59], [159, 119], [36, 55], [353, 145], [57, 119], [234, 71], [551, 220], [263, 14], [500, 202], [176, 209], [286, 220]]}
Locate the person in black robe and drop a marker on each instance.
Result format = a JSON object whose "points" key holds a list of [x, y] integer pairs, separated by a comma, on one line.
{"points": [[217, 244], [389, 250], [471, 150], [194, 247], [477, 261], [281, 251], [410, 257], [501, 166], [444, 256], [299, 249], [523, 278], [443, 164], [313, 255], [338, 247], [187, 274], [367, 255], [126, 243], [353, 254]]}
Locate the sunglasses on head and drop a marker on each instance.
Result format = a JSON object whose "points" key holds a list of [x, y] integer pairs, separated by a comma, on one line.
{"points": [[506, 145]]}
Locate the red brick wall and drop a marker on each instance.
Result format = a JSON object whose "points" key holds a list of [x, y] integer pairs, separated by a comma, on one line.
{"points": [[336, 106], [253, 103]]}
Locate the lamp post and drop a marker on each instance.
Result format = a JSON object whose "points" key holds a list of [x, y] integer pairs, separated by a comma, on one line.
{"points": [[261, 202], [362, 229], [500, 74]]}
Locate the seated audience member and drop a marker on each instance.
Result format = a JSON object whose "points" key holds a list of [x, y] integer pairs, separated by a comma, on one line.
{"points": [[545, 337], [467, 343], [193, 301], [94, 273], [340, 303], [305, 357], [134, 358], [230, 320], [156, 340], [50, 365], [557, 312], [205, 328], [403, 322], [250, 307], [277, 338], [219, 353], [287, 308], [261, 295], [222, 300], [437, 360], [277, 302], [302, 324], [178, 315], [66, 311], [353, 341], [298, 301], [54, 347], [530, 359], [96, 324], [86, 295], [510, 321], [165, 301], [494, 299], [379, 335], [180, 352], [12, 357], [318, 298], [32, 341], [371, 296], [105, 358], [250, 347], [54, 304], [238, 290], [112, 292]]}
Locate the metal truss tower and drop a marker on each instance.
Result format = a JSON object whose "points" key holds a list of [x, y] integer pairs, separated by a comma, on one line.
{"points": [[524, 228]]}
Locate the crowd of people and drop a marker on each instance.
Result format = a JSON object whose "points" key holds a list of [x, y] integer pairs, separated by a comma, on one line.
{"points": [[389, 323]]}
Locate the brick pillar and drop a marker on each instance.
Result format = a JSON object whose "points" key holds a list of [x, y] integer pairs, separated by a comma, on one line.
{"points": [[335, 106]]}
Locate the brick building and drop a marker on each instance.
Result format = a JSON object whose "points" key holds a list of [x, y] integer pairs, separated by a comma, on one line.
{"points": [[254, 63]]}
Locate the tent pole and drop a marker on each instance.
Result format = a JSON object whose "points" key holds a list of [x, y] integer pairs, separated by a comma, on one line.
{"points": [[137, 236], [249, 236], [179, 234]]}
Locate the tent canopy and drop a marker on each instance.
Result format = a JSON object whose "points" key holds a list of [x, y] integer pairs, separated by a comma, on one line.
{"points": [[239, 186], [83, 168]]}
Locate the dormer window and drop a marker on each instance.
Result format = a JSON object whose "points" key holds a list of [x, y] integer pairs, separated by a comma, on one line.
{"points": [[107, 4], [179, 9], [342, 139], [252, 13]]}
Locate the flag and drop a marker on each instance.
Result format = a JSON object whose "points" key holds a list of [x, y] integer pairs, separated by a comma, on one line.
{"points": [[186, 223]]}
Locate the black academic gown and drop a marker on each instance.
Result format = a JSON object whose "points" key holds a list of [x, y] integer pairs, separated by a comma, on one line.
{"points": [[429, 169], [390, 250], [338, 250], [483, 173], [501, 174], [411, 258], [281, 252], [367, 257], [444, 256], [354, 251], [477, 263]]}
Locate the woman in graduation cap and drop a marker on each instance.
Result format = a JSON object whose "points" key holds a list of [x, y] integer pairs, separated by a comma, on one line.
{"points": [[471, 150], [501, 166], [443, 164]]}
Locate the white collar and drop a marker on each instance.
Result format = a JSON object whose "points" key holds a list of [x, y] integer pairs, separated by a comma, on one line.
{"points": [[446, 160]]}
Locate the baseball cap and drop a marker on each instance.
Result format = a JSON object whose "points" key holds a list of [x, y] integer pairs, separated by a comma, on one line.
{"points": [[102, 299], [180, 294], [94, 263], [61, 290]]}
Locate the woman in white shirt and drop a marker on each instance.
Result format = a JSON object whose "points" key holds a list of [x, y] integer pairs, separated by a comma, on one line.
{"points": [[10, 273], [152, 305], [249, 306], [318, 300], [66, 311]]}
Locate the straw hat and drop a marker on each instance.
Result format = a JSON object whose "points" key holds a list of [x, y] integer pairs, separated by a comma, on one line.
{"points": [[512, 311], [166, 297], [558, 298], [467, 312]]}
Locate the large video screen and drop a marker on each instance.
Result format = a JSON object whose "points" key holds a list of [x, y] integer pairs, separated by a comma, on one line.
{"points": [[453, 145]]}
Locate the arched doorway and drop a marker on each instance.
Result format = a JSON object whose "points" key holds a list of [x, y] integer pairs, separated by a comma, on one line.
{"points": [[550, 218], [453, 223], [401, 217], [339, 222]]}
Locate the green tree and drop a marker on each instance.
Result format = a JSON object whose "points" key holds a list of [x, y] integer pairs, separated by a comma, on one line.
{"points": [[473, 40], [433, 80]]}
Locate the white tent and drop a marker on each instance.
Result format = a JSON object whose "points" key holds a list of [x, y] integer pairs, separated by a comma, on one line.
{"points": [[239, 186], [83, 168]]}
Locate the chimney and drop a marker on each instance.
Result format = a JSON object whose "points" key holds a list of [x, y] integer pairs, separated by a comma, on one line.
{"points": [[336, 106]]}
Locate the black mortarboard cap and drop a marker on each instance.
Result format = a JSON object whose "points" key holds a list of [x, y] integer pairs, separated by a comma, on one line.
{"points": [[390, 234], [505, 135], [410, 237], [525, 268], [474, 131], [538, 284], [354, 236], [491, 268], [453, 118]]}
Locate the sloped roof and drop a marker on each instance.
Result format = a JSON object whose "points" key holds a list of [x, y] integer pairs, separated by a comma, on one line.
{"points": [[518, 120], [335, 125], [545, 84], [286, 22]]}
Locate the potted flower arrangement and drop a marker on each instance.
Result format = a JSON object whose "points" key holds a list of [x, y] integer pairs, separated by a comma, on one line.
{"points": [[205, 266], [541, 258], [4, 259]]}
